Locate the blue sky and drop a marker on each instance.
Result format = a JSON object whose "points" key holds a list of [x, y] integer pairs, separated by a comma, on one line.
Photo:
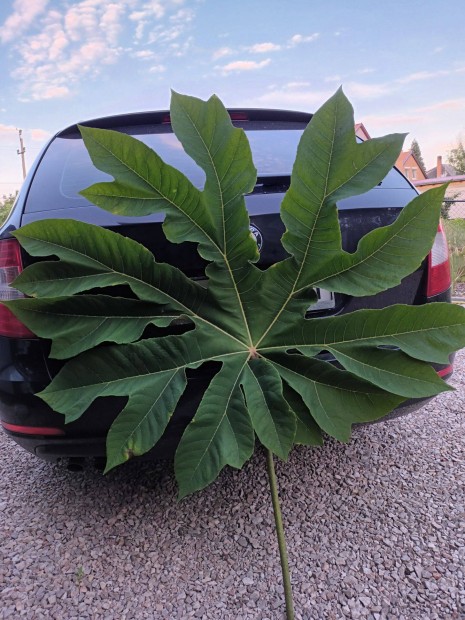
{"points": [[402, 64]]}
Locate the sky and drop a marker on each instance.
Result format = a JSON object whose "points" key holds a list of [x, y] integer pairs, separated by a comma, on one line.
{"points": [[402, 64]]}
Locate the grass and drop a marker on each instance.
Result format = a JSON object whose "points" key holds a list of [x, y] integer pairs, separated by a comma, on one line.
{"points": [[455, 231], [79, 575]]}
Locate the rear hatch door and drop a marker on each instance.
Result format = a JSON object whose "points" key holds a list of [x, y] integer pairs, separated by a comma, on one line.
{"points": [[65, 169]]}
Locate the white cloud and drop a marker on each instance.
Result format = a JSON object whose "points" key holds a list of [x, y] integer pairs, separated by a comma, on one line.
{"points": [[80, 20], [144, 54], [366, 91], [39, 135], [222, 52], [256, 48], [447, 104], [163, 35], [7, 131], [110, 22], [157, 69], [183, 15], [68, 47], [245, 65], [148, 10], [76, 42], [25, 12], [430, 75], [182, 48], [50, 92], [297, 84], [420, 76], [392, 122], [140, 28], [264, 48], [151, 13], [59, 43], [294, 99], [435, 126], [297, 39]]}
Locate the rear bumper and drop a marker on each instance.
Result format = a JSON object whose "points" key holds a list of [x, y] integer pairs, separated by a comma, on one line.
{"points": [[25, 372], [22, 414], [78, 443]]}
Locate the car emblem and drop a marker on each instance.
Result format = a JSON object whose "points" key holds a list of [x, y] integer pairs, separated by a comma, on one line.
{"points": [[258, 236]]}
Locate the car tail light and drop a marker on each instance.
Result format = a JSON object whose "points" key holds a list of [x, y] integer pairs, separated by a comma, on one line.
{"points": [[438, 265], [10, 267], [32, 430], [238, 116], [446, 371], [235, 116]]}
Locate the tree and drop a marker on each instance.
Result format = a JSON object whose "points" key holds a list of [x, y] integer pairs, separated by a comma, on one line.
{"points": [[415, 148], [6, 204], [456, 157]]}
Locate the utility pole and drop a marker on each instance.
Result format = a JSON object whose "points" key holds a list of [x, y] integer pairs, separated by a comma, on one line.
{"points": [[21, 152]]}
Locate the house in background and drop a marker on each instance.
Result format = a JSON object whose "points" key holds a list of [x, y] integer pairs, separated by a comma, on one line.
{"points": [[361, 131], [441, 170], [410, 167], [407, 163], [423, 180], [455, 193]]}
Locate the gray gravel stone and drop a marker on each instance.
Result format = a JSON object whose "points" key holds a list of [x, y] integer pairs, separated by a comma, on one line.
{"points": [[375, 530]]}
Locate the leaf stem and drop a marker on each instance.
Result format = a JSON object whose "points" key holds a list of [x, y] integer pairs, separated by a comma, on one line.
{"points": [[280, 534]]}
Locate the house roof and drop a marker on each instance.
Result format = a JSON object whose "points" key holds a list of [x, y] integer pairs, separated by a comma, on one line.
{"points": [[447, 171], [403, 156], [402, 160], [361, 132]]}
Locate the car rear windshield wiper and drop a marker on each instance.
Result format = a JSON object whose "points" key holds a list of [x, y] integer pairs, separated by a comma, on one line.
{"points": [[272, 183]]}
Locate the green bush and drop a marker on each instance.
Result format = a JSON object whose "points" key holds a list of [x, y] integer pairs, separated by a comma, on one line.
{"points": [[455, 231], [6, 204]]}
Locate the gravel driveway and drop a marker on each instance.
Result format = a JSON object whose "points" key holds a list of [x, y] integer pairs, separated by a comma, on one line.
{"points": [[375, 530]]}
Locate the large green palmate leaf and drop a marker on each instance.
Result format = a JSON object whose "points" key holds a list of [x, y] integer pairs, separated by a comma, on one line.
{"points": [[280, 378]]}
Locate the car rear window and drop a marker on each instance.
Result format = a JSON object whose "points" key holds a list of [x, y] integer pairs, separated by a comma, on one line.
{"points": [[66, 167]]}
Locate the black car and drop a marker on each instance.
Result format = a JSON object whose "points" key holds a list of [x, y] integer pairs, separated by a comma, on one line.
{"points": [[52, 191]]}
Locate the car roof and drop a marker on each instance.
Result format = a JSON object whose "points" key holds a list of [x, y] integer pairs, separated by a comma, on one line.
{"points": [[163, 117]]}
